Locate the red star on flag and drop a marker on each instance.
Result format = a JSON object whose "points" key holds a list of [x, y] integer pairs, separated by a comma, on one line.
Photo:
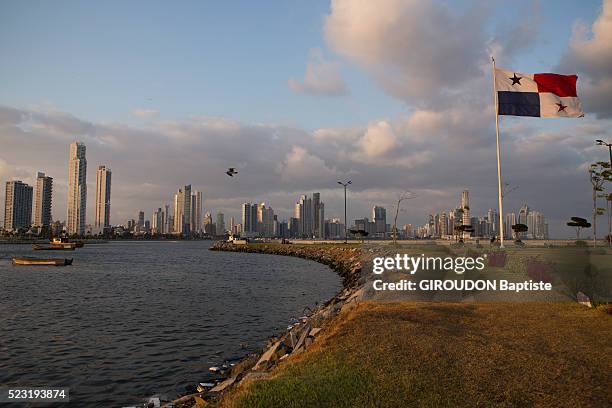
{"points": [[561, 106]]}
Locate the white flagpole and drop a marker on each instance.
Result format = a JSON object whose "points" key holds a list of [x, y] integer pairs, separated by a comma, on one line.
{"points": [[499, 179]]}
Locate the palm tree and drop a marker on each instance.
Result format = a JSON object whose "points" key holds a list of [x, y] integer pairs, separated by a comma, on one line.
{"points": [[599, 173]]}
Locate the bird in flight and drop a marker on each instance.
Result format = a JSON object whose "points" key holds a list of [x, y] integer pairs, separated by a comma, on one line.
{"points": [[231, 172]]}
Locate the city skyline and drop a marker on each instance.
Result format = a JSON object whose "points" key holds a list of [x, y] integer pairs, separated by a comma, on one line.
{"points": [[324, 108]]}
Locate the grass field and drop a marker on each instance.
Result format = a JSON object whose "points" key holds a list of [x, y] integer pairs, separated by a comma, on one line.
{"points": [[426, 354]]}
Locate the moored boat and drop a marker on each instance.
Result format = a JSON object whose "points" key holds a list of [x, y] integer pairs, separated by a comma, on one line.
{"points": [[64, 241], [54, 247], [40, 261]]}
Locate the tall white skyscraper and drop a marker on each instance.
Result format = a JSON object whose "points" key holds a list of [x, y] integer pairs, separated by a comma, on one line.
{"points": [[379, 216], [77, 189], [158, 222], [103, 196], [182, 211], [42, 200], [303, 212]]}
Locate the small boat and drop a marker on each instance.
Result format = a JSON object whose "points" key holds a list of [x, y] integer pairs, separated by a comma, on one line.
{"points": [[54, 247], [63, 241], [40, 261]]}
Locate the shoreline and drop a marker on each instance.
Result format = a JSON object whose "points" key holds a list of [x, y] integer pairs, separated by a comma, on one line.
{"points": [[345, 262]]}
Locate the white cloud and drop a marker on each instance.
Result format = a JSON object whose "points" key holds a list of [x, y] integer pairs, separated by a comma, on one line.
{"points": [[378, 139], [322, 77], [301, 167], [414, 49], [590, 55]]}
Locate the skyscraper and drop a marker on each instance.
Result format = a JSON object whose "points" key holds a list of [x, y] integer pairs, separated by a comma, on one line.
{"points": [[196, 211], [167, 220], [42, 200], [303, 212], [158, 222], [220, 225], [316, 202], [103, 195], [17, 206], [379, 216], [465, 206], [522, 219], [321, 220], [182, 211], [77, 189], [246, 219]]}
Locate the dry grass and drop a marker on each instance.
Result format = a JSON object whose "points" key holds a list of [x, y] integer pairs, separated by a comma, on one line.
{"points": [[444, 354]]}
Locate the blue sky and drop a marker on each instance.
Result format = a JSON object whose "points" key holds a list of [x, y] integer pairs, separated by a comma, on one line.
{"points": [[394, 94], [100, 60], [194, 58]]}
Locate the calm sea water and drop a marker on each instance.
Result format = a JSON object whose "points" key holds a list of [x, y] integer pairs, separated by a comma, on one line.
{"points": [[131, 319]]}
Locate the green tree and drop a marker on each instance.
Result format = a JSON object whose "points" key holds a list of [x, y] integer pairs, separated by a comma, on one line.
{"points": [[599, 173], [517, 229], [578, 223]]}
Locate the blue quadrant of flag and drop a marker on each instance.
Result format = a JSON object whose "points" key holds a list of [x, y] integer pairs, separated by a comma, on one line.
{"points": [[518, 103]]}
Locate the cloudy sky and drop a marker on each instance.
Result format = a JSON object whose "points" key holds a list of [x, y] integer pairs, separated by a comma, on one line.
{"points": [[393, 94]]}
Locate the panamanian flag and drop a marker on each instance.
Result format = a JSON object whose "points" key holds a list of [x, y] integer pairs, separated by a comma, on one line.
{"points": [[539, 95]]}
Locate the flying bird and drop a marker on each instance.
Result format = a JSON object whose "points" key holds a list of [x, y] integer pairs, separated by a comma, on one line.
{"points": [[231, 172]]}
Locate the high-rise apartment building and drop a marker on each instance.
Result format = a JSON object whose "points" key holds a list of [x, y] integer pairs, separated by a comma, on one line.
{"points": [[42, 200], [103, 197], [77, 189], [246, 219], [168, 220], [17, 206], [304, 213], [220, 224], [158, 222], [379, 216], [196, 211], [182, 211], [465, 206]]}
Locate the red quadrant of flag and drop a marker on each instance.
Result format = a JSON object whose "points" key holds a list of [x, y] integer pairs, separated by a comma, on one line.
{"points": [[560, 85]]}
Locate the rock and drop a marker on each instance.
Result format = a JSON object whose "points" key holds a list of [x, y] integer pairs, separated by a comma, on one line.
{"points": [[314, 331], [583, 299], [223, 385], [302, 339], [267, 356], [199, 402]]}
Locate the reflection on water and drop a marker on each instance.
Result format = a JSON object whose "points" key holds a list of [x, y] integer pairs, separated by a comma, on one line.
{"points": [[132, 319]]}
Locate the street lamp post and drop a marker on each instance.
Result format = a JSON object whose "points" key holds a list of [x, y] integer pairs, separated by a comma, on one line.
{"points": [[602, 143], [345, 184]]}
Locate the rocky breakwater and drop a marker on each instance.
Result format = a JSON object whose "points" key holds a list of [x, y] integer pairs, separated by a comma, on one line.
{"points": [[345, 261]]}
